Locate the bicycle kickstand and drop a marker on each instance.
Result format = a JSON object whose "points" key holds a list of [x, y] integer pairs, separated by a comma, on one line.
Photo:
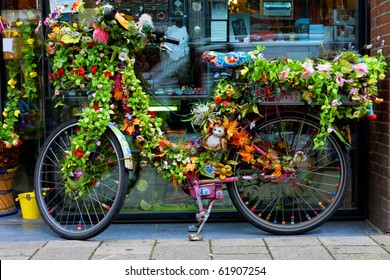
{"points": [[201, 217]]}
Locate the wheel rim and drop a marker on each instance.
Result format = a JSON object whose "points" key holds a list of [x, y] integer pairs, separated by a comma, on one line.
{"points": [[309, 196]]}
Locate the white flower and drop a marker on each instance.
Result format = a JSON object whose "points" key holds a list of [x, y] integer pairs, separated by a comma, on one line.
{"points": [[122, 56], [252, 125], [145, 19], [199, 113]]}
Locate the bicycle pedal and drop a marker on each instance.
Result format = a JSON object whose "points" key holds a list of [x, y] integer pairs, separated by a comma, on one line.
{"points": [[195, 237], [192, 228]]}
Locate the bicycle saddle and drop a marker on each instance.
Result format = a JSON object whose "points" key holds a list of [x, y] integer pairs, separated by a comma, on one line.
{"points": [[219, 60]]}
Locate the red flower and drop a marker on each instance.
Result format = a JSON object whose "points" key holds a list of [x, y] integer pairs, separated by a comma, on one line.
{"points": [[151, 114], [217, 99], [107, 74], [78, 153], [96, 106], [91, 44], [94, 69], [80, 71], [61, 72]]}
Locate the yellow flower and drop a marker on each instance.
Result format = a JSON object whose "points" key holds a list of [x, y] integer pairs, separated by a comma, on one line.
{"points": [[16, 113], [12, 83], [56, 29], [5, 114], [223, 170], [229, 90], [33, 74], [381, 76], [244, 70], [19, 23], [15, 34], [4, 124], [30, 41], [74, 25]]}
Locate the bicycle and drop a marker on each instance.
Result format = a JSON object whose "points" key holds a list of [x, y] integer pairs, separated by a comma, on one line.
{"points": [[294, 199]]}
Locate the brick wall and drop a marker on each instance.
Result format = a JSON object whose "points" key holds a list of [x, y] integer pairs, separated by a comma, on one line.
{"points": [[379, 138]]}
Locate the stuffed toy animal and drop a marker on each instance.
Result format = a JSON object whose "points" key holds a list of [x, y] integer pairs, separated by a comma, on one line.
{"points": [[215, 140]]}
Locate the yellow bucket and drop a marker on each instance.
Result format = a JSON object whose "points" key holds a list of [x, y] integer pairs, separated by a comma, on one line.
{"points": [[28, 205]]}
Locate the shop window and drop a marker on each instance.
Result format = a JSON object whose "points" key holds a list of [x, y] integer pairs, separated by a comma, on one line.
{"points": [[292, 21], [178, 78]]}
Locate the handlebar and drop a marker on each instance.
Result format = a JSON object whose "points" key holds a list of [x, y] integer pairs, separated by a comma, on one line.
{"points": [[111, 13], [160, 37]]}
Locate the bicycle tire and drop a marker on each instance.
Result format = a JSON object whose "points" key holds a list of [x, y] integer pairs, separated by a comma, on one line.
{"points": [[89, 215], [304, 201]]}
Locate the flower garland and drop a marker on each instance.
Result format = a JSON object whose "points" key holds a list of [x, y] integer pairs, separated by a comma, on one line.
{"points": [[91, 59], [28, 66]]}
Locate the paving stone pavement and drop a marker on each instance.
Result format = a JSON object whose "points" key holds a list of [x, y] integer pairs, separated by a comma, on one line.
{"points": [[375, 247]]}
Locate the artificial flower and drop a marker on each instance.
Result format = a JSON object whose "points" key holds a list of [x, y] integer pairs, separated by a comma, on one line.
{"points": [[223, 171]]}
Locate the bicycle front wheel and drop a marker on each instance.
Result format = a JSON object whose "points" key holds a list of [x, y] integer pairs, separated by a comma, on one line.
{"points": [[305, 199], [88, 215]]}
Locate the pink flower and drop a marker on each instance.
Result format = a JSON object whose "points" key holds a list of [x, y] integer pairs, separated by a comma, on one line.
{"points": [[335, 103], [78, 173], [340, 80], [353, 91], [100, 35], [324, 68], [283, 75], [308, 67], [99, 86], [361, 68], [101, 55]]}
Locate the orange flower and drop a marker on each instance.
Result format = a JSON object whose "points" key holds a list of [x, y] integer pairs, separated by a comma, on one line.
{"points": [[127, 128], [223, 170], [231, 128], [190, 167], [118, 93], [247, 153], [76, 5], [278, 171], [240, 138], [163, 143]]}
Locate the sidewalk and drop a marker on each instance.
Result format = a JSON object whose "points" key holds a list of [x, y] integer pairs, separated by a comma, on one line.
{"points": [[335, 240]]}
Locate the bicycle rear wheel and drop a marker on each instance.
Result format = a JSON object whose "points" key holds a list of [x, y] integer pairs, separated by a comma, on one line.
{"points": [[90, 214], [307, 198]]}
